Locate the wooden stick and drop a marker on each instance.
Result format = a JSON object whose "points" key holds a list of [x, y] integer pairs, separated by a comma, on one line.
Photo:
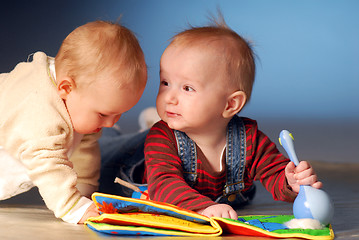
{"points": [[127, 184]]}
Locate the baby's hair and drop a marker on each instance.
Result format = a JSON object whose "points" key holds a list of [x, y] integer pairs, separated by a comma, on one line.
{"points": [[230, 47], [101, 45]]}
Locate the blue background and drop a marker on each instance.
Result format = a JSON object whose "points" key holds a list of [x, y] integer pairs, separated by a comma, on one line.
{"points": [[307, 66]]}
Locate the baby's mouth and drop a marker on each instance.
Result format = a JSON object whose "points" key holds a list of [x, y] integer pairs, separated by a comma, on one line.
{"points": [[172, 114], [97, 130]]}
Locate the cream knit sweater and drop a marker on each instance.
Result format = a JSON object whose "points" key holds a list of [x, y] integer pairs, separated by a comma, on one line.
{"points": [[35, 128]]}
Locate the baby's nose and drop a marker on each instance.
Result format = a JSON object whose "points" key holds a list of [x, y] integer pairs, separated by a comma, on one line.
{"points": [[109, 122], [171, 97]]}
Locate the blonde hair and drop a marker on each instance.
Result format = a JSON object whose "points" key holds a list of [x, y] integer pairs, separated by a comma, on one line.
{"points": [[232, 49], [97, 46]]}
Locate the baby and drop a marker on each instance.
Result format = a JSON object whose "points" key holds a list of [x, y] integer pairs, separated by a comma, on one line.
{"points": [[53, 110], [202, 156]]}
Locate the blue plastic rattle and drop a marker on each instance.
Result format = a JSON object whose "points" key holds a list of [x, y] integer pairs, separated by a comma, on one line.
{"points": [[310, 202]]}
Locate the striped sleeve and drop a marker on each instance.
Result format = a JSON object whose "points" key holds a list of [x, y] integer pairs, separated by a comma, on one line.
{"points": [[164, 171], [266, 164]]}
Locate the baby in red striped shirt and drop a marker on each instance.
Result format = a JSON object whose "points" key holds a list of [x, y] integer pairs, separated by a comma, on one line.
{"points": [[201, 156]]}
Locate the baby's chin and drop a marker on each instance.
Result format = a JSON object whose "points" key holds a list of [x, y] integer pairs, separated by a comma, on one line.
{"points": [[175, 127]]}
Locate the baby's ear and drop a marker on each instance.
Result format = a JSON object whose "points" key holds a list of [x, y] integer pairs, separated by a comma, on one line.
{"points": [[64, 86], [235, 103]]}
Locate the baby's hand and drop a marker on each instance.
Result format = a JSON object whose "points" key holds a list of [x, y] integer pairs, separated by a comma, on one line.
{"points": [[92, 211], [219, 210], [303, 174]]}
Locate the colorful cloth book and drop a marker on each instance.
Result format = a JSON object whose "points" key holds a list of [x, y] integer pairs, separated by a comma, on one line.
{"points": [[131, 216]]}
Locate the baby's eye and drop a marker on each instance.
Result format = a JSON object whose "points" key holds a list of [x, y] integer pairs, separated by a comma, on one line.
{"points": [[188, 89], [164, 83], [102, 115]]}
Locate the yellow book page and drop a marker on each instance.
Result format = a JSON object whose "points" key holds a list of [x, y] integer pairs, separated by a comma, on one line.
{"points": [[157, 221]]}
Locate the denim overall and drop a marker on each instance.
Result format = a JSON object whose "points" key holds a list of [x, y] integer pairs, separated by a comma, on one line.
{"points": [[235, 163]]}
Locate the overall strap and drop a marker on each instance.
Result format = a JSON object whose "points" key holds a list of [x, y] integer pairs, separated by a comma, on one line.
{"points": [[188, 154], [235, 156]]}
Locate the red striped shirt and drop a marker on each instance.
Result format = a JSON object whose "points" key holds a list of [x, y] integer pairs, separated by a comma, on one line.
{"points": [[165, 174]]}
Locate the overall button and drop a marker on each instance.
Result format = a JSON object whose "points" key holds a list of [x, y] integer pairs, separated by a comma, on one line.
{"points": [[232, 197]]}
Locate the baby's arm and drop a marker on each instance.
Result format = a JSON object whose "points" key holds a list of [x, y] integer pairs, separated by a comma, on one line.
{"points": [[165, 178], [303, 174], [219, 210], [86, 159], [87, 164]]}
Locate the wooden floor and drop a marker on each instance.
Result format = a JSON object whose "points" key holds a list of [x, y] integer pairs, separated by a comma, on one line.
{"points": [[25, 217]]}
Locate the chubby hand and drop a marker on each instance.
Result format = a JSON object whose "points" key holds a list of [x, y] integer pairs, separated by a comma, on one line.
{"points": [[219, 210], [303, 174], [92, 211]]}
